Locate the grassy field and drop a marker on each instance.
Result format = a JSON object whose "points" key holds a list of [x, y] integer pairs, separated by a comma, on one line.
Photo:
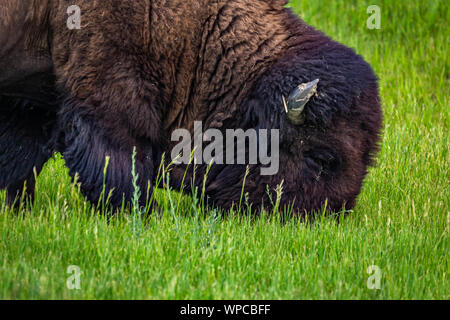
{"points": [[400, 225]]}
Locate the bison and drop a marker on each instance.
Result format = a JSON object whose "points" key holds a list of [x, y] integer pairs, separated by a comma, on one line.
{"points": [[135, 71]]}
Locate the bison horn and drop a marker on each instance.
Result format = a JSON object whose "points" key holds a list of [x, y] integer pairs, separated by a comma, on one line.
{"points": [[297, 101]]}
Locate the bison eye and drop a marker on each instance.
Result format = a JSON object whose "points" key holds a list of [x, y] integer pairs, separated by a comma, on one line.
{"points": [[323, 162], [295, 105]]}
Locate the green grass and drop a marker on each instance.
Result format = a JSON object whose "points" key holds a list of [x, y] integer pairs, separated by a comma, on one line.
{"points": [[401, 222]]}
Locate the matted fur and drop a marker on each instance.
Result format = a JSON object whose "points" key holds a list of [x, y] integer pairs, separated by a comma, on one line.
{"points": [[137, 70]]}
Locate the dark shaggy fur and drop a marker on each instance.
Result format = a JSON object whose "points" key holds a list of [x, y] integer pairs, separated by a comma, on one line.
{"points": [[137, 70]]}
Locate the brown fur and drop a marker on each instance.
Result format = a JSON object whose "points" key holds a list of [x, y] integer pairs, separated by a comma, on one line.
{"points": [[137, 70]]}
